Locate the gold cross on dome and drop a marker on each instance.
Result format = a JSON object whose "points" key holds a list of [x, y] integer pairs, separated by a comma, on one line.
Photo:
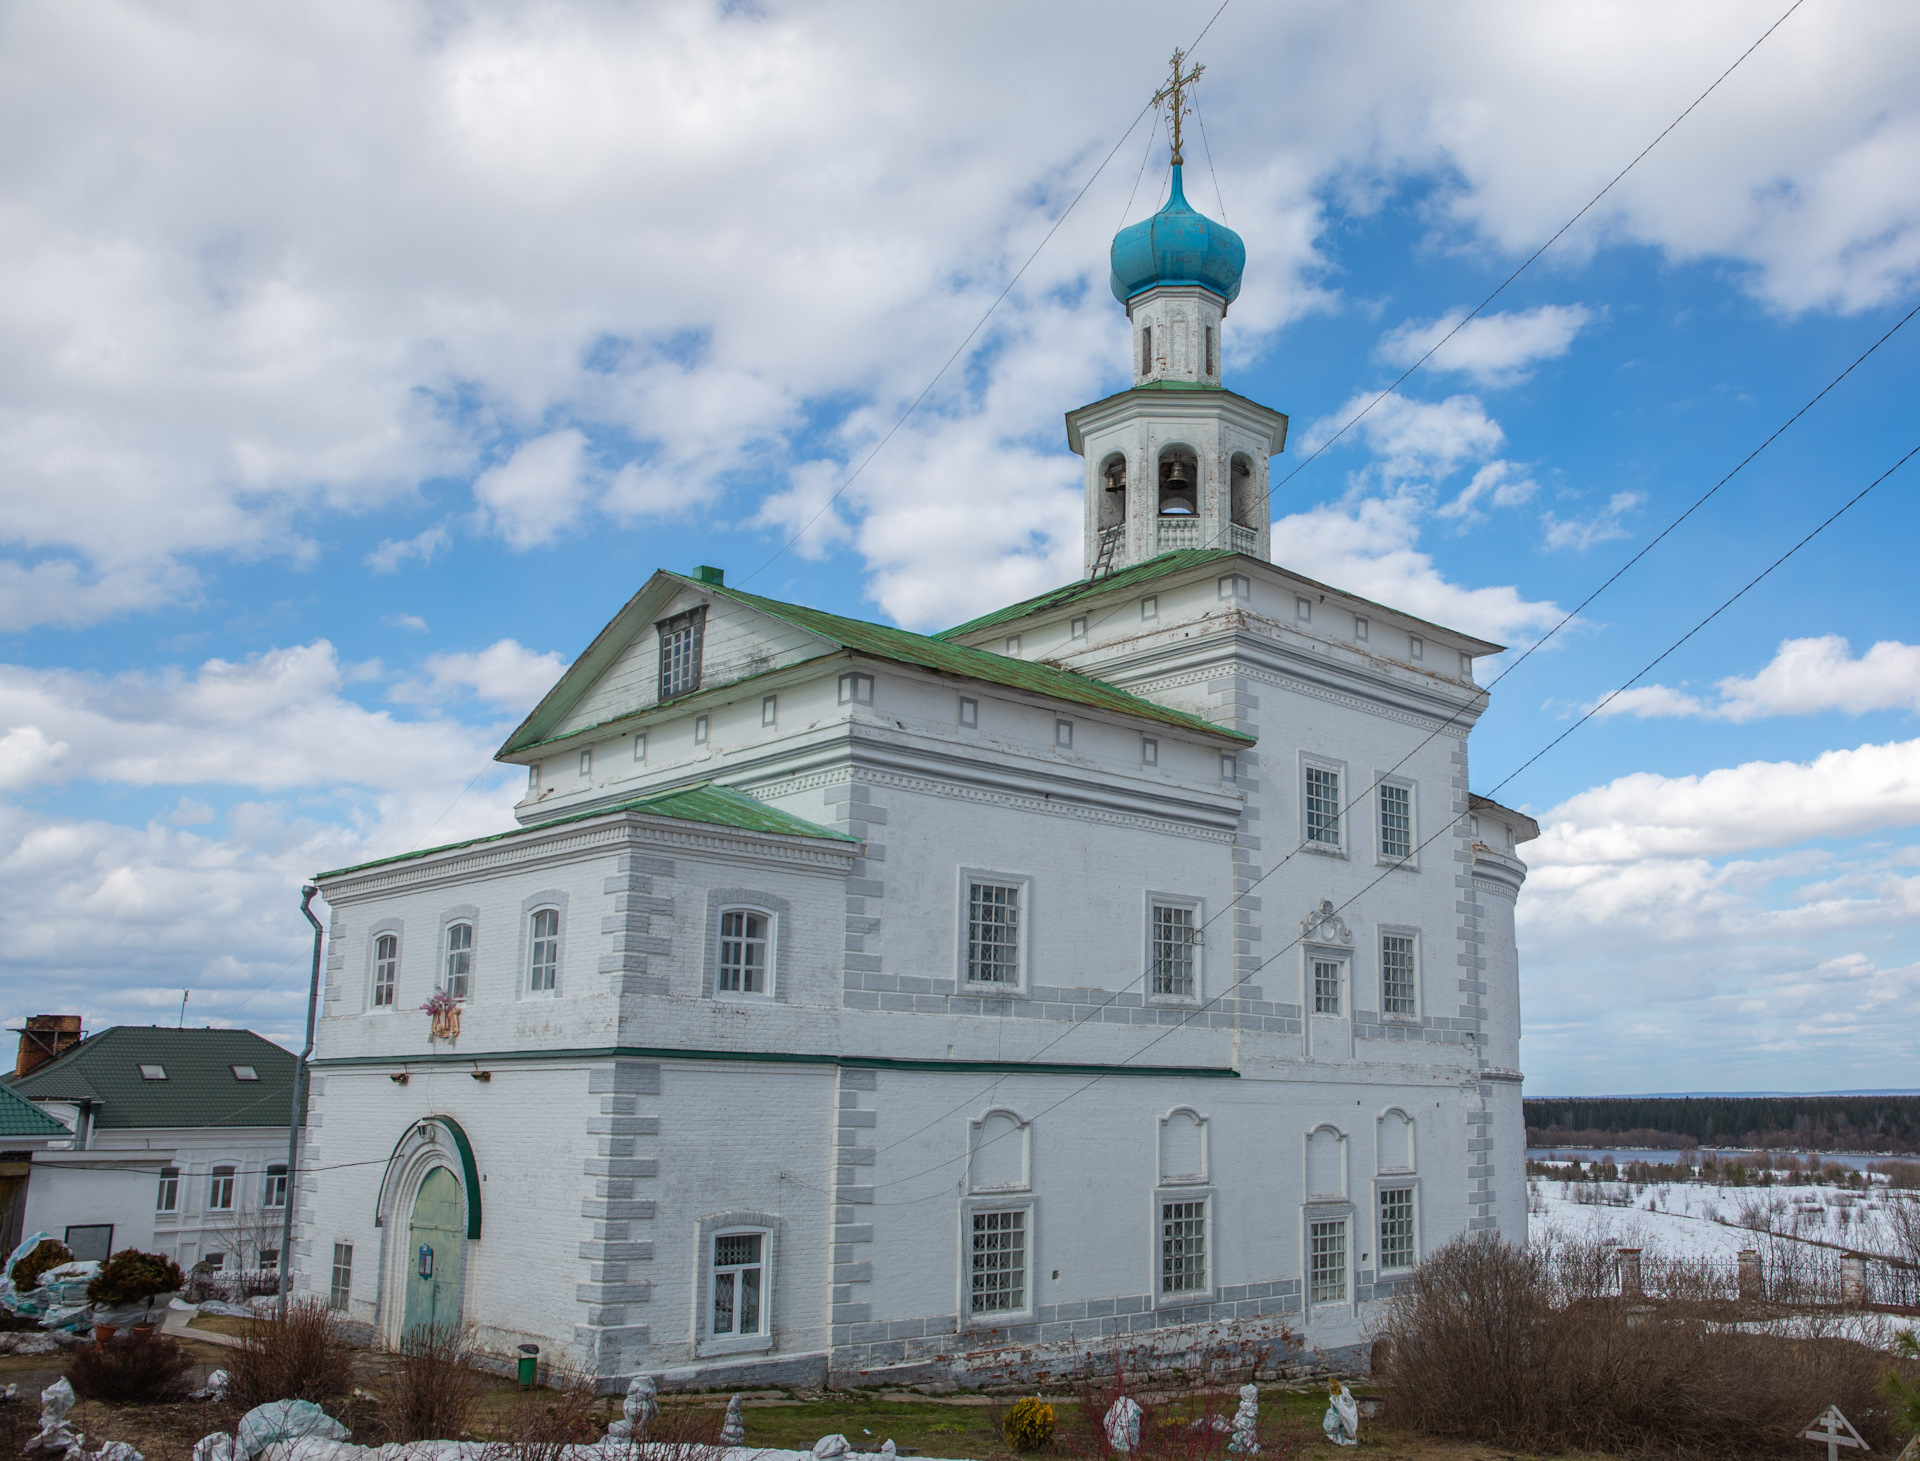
{"points": [[1176, 92]]}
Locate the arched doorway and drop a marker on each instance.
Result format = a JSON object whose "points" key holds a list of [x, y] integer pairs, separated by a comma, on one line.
{"points": [[436, 1252]]}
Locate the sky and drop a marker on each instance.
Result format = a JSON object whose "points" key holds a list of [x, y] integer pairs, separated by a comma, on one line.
{"points": [[358, 361]]}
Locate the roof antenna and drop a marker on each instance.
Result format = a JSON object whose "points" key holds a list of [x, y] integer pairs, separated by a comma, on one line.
{"points": [[183, 1007]]}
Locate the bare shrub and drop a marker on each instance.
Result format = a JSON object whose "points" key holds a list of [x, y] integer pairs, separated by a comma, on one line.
{"points": [[302, 1357], [1493, 1342], [1184, 1411], [431, 1387], [542, 1424], [141, 1369]]}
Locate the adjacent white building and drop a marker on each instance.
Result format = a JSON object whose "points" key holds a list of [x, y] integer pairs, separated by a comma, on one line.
{"points": [[1124, 966]]}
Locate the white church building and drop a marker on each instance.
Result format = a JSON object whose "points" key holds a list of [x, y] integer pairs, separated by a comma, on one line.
{"points": [[1130, 967]]}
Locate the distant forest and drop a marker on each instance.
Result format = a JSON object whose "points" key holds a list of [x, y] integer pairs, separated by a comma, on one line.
{"points": [[1796, 1123]]}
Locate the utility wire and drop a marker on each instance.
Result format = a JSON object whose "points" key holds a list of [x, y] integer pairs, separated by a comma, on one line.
{"points": [[1200, 117]]}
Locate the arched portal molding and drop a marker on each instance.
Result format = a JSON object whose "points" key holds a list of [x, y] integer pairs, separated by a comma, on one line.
{"points": [[431, 1141]]}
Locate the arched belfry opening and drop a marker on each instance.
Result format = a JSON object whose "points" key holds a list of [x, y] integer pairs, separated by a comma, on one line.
{"points": [[1179, 483], [1245, 497], [1113, 492]]}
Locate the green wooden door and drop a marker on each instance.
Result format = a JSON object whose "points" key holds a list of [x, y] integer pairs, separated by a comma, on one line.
{"points": [[436, 1240]]}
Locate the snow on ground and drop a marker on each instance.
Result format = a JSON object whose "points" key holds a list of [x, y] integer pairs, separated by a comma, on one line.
{"points": [[1700, 1220]]}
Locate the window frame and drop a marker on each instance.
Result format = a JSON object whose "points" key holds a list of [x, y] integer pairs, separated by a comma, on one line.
{"points": [[969, 713], [983, 1204], [1313, 1215], [1023, 882], [1150, 751], [1302, 609], [1381, 857], [1235, 586], [640, 758], [677, 683], [716, 1270], [535, 940], [1397, 1182], [856, 688], [387, 928], [1317, 967], [444, 975], [1360, 629], [276, 1172], [340, 1279], [166, 1200], [734, 1223], [1343, 810], [1149, 608], [1417, 648], [702, 729], [1077, 628], [1012, 646], [769, 712], [586, 762], [1164, 1194], [219, 1172], [771, 946], [1197, 946], [1384, 932], [1062, 733]]}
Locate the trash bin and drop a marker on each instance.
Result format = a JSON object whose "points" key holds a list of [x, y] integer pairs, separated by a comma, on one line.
{"points": [[529, 1365]]}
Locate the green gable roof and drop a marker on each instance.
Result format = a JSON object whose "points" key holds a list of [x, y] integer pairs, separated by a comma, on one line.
{"points": [[1156, 567], [935, 653], [721, 806], [200, 1088], [19, 1117]]}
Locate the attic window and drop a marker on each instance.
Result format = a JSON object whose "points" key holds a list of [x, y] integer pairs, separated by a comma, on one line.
{"points": [[680, 652], [153, 1072], [245, 1073]]}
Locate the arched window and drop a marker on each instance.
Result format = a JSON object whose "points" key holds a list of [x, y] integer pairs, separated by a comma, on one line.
{"points": [[458, 980], [543, 972], [1113, 491], [386, 970], [1244, 506], [745, 949], [1179, 483]]}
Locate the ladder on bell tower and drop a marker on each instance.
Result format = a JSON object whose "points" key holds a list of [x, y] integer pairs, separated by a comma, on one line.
{"points": [[1110, 540]]}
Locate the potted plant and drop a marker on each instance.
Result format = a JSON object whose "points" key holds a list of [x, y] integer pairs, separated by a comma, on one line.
{"points": [[445, 1011], [124, 1289]]}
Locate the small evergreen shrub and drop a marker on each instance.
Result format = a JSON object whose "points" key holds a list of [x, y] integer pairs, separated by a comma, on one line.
{"points": [[50, 1254], [130, 1277], [1029, 1425]]}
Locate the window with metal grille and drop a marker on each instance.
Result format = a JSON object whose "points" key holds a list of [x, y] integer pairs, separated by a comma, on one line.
{"points": [[273, 1192], [459, 968], [737, 1273], [1323, 806], [220, 1189], [1396, 821], [386, 969], [993, 933], [341, 1289], [1327, 1262], [1326, 987], [543, 972], [680, 652], [999, 1262], [743, 952], [1183, 1247], [1172, 950], [169, 1197], [1396, 974], [1396, 1228]]}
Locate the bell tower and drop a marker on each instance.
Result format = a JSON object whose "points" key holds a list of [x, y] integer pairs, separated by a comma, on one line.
{"points": [[1178, 461]]}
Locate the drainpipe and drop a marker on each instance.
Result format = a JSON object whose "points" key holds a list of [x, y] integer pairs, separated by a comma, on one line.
{"points": [[298, 1115]]}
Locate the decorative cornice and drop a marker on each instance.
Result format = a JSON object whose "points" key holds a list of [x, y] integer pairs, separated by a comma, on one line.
{"points": [[1043, 805], [1324, 926], [1437, 724]]}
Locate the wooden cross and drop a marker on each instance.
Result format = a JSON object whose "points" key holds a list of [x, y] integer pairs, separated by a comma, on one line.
{"points": [[1836, 1430], [1176, 92]]}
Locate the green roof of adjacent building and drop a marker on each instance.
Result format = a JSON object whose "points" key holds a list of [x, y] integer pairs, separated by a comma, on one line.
{"points": [[719, 806], [1160, 566], [146, 1076], [19, 1117]]}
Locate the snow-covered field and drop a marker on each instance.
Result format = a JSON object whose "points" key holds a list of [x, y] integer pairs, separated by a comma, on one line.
{"points": [[1700, 1220]]}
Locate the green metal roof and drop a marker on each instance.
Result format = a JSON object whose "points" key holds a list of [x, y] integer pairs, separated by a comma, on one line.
{"points": [[200, 1088], [936, 653], [19, 1117], [1156, 567], [721, 806]]}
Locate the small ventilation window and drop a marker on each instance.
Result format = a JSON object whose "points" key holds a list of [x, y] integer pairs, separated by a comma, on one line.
{"points": [[153, 1072], [245, 1073]]}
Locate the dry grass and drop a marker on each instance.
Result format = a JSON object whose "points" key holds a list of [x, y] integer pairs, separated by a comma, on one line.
{"points": [[432, 1389], [540, 1424], [1520, 1347], [302, 1357]]}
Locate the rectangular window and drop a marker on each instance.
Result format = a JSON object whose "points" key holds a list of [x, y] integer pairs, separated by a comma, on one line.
{"points": [[743, 952], [1063, 734], [1150, 607], [220, 1190], [769, 710], [169, 1199], [341, 1289], [1173, 935], [999, 1263], [700, 725], [1396, 821], [1236, 586], [856, 689], [1146, 351], [1211, 370], [386, 970], [153, 1072], [1013, 645], [273, 1193], [1229, 768], [1396, 974], [1327, 1262], [1183, 1247], [640, 746], [1466, 665], [1326, 986], [1323, 806], [586, 762], [270, 1259], [1077, 628], [244, 1072], [680, 653], [1360, 629], [1149, 751], [993, 933], [90, 1241], [459, 968], [738, 1270], [1303, 610], [543, 970], [969, 713], [1396, 1229], [1417, 646], [533, 779]]}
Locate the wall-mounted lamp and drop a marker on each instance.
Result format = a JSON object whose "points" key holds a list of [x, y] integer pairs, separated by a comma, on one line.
{"points": [[399, 1078], [481, 1075]]}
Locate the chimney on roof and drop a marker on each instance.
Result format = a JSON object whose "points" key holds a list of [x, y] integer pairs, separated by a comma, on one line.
{"points": [[44, 1037]]}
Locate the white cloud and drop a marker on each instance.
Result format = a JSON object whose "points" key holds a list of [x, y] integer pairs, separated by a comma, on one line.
{"points": [[1414, 438], [1501, 484], [1494, 349], [537, 493], [1805, 677], [1604, 526], [27, 756], [505, 674], [423, 545]]}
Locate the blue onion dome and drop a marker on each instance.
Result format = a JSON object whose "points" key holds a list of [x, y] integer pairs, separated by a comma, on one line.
{"points": [[1178, 246]]}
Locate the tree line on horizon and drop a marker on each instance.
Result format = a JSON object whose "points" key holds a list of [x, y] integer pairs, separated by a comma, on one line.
{"points": [[1888, 1124]]}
